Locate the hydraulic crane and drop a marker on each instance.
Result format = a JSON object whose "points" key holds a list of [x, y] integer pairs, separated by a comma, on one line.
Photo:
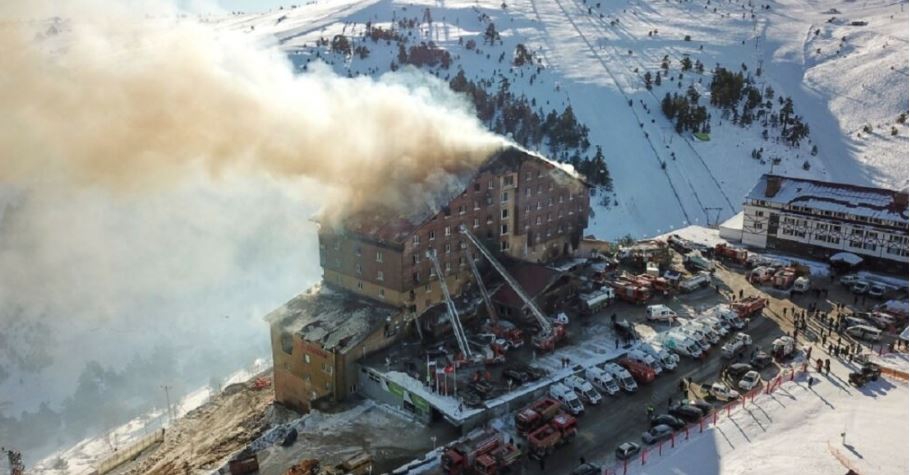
{"points": [[549, 334]]}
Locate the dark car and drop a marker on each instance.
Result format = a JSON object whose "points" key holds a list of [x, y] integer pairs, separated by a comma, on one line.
{"points": [[587, 469], [737, 370], [668, 420], [704, 406], [657, 434], [761, 360], [517, 376], [686, 412], [627, 450]]}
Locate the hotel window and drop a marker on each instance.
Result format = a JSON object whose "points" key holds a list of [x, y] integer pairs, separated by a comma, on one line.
{"points": [[505, 229], [461, 209], [448, 231], [448, 248], [476, 204], [527, 192], [505, 213], [490, 185], [415, 259], [507, 180], [379, 276], [359, 269], [476, 223], [448, 267], [537, 221], [432, 235], [416, 239]]}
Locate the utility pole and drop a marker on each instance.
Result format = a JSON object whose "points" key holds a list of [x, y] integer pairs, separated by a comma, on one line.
{"points": [[167, 395]]}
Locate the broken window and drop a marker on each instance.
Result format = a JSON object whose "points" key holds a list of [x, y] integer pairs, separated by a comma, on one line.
{"points": [[287, 343]]}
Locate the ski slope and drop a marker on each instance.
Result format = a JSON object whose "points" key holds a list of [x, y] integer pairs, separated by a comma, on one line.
{"points": [[595, 62]]}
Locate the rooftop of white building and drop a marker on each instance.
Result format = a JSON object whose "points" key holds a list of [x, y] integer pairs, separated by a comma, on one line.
{"points": [[854, 200]]}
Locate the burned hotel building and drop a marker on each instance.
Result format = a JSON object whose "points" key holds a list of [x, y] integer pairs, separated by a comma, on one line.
{"points": [[520, 205]]}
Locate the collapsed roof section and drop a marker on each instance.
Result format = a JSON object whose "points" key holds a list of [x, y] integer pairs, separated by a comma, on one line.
{"points": [[395, 226], [336, 320]]}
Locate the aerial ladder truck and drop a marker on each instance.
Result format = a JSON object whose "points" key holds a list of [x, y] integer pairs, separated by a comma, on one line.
{"points": [[457, 329], [550, 334], [502, 329]]}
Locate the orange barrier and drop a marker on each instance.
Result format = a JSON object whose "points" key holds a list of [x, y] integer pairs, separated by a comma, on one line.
{"points": [[896, 374]]}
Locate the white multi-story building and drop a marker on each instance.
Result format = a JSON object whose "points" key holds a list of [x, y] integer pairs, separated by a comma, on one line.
{"points": [[819, 219]]}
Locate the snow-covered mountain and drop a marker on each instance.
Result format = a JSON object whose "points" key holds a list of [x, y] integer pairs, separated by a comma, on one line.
{"points": [[844, 64]]}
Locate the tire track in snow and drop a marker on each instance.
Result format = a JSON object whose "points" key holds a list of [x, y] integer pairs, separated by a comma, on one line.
{"points": [[626, 96]]}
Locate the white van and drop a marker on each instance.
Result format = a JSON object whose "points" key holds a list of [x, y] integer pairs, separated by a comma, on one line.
{"points": [[696, 334], [622, 376], [666, 359], [602, 380], [727, 314], [865, 332], [719, 326], [567, 397], [680, 343], [708, 330], [801, 285], [645, 358], [583, 389], [660, 313]]}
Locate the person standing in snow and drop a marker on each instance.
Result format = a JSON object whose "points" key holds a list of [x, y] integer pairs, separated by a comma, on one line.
{"points": [[827, 366]]}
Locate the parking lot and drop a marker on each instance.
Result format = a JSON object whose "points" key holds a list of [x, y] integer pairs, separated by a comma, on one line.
{"points": [[623, 417]]}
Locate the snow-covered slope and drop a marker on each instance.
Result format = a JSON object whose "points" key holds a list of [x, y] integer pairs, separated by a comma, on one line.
{"points": [[595, 54]]}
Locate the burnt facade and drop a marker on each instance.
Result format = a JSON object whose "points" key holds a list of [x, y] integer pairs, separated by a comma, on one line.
{"points": [[517, 203]]}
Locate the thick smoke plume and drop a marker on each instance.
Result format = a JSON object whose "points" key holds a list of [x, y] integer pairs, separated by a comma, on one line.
{"points": [[156, 182], [113, 98]]}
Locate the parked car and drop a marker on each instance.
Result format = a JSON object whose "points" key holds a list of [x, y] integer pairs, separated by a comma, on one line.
{"points": [[657, 434], [865, 332], [848, 280], [876, 291], [761, 360], [660, 313], [567, 397], [859, 287], [737, 370], [627, 450], [723, 393], [587, 469], [704, 406], [668, 420], [881, 320], [749, 381], [686, 412], [583, 389]]}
